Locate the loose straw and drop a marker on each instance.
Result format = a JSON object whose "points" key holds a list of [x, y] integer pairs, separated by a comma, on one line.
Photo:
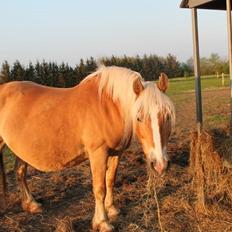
{"points": [[158, 210], [152, 187]]}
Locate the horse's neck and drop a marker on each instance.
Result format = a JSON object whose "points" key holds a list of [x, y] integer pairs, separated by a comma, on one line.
{"points": [[105, 112], [119, 125], [121, 120]]}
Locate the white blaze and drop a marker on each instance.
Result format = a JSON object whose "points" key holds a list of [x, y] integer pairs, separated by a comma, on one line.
{"points": [[165, 153], [157, 151]]}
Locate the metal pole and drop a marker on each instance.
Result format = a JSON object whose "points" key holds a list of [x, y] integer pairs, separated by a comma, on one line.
{"points": [[229, 29], [197, 70]]}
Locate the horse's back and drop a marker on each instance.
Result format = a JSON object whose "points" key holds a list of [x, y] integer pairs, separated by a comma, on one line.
{"points": [[24, 89], [22, 100], [11, 94]]}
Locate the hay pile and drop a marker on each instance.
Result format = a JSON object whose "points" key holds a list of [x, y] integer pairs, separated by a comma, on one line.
{"points": [[210, 166]]}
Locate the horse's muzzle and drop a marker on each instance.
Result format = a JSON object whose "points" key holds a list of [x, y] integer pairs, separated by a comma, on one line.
{"points": [[159, 167]]}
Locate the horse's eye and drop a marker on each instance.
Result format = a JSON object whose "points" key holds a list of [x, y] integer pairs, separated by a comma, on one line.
{"points": [[139, 119]]}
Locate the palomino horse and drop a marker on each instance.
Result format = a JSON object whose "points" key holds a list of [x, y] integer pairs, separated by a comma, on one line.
{"points": [[52, 128]]}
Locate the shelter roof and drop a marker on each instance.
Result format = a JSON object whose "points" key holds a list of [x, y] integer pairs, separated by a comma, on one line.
{"points": [[204, 4]]}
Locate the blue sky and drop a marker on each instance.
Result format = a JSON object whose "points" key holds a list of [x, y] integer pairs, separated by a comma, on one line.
{"points": [[67, 30]]}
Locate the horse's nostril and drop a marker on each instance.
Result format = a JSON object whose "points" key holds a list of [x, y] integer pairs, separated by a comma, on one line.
{"points": [[152, 165], [168, 165]]}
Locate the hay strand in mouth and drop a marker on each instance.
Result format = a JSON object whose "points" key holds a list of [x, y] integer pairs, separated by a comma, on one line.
{"points": [[152, 194], [158, 210]]}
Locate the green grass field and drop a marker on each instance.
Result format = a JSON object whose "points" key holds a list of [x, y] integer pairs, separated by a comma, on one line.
{"points": [[180, 85], [179, 89]]}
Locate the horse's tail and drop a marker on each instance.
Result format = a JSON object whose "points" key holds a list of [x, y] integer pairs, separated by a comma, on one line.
{"points": [[3, 186]]}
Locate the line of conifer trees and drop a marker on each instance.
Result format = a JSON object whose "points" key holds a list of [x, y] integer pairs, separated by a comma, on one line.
{"points": [[63, 75]]}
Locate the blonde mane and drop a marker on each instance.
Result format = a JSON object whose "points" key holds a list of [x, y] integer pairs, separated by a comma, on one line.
{"points": [[118, 83]]}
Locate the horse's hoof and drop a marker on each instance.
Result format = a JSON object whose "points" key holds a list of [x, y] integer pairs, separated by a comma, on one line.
{"points": [[32, 207], [106, 227], [112, 213], [102, 227]]}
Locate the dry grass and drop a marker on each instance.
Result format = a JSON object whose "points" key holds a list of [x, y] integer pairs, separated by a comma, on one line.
{"points": [[203, 201], [64, 225], [210, 157]]}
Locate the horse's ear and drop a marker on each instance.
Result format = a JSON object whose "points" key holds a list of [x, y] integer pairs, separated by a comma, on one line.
{"points": [[162, 84], [138, 87]]}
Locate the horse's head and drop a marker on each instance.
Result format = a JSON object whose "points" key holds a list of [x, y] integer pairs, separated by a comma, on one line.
{"points": [[154, 117]]}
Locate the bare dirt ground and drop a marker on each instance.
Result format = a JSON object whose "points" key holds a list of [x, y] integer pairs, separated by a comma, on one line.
{"points": [[69, 194]]}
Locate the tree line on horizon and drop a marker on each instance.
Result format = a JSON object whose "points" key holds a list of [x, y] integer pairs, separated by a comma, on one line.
{"points": [[150, 67]]}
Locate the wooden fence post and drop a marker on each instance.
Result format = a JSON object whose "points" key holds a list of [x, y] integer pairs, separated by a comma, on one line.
{"points": [[223, 79]]}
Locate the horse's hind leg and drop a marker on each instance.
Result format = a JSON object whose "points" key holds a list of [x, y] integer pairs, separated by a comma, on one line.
{"points": [[28, 202], [111, 172]]}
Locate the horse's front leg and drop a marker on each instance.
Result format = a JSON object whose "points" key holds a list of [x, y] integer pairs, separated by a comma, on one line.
{"points": [[28, 202], [111, 172], [98, 163]]}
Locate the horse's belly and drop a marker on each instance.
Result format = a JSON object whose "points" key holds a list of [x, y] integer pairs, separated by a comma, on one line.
{"points": [[47, 157], [50, 161]]}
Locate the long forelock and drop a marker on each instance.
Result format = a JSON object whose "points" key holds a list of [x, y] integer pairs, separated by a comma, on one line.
{"points": [[152, 102]]}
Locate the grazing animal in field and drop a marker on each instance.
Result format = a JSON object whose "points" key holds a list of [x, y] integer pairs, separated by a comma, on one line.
{"points": [[52, 128]]}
